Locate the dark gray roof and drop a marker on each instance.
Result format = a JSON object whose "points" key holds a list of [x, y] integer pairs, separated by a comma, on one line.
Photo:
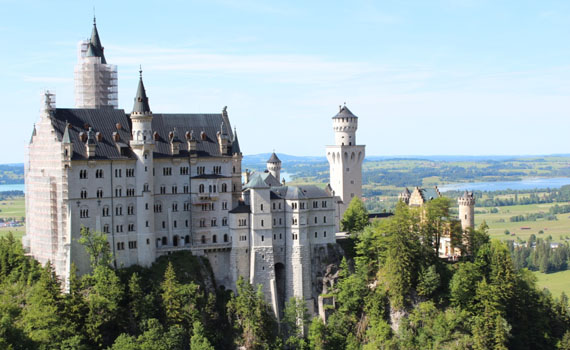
{"points": [[298, 193], [345, 113], [242, 208], [209, 124], [97, 49], [102, 120], [141, 100], [210, 176], [274, 158]]}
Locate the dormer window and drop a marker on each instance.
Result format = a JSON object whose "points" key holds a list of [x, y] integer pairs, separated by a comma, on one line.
{"points": [[155, 136], [203, 136]]}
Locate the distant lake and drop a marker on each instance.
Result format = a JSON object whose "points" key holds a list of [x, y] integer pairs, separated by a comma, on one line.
{"points": [[525, 184], [12, 187]]}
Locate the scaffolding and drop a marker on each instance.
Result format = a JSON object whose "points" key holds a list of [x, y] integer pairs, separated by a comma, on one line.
{"points": [[95, 83]]}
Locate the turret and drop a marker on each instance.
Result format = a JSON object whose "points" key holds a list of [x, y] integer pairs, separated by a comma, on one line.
{"points": [[174, 142], [223, 139], [345, 124], [90, 143], [467, 210], [274, 166], [405, 196], [141, 116]]}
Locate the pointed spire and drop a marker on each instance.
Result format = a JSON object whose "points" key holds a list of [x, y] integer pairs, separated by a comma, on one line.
{"points": [[235, 143], [274, 158], [66, 138], [96, 42], [141, 100]]}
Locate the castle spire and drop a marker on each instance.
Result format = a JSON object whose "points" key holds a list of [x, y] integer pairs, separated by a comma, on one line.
{"points": [[97, 49], [141, 100]]}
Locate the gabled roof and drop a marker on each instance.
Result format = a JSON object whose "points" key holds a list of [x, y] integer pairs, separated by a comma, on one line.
{"points": [[242, 208], [298, 193], [344, 113], [256, 181], [95, 44]]}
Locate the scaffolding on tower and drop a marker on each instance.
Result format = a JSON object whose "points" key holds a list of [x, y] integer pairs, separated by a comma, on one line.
{"points": [[95, 82]]}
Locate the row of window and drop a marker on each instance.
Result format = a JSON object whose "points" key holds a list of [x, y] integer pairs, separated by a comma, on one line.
{"points": [[166, 171], [213, 222], [212, 188], [132, 245]]}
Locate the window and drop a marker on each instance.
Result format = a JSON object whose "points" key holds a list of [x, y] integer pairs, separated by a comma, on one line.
{"points": [[186, 223], [324, 204], [131, 210], [225, 205], [225, 237], [132, 244], [214, 239], [201, 188], [118, 173], [118, 192], [164, 224], [174, 206], [201, 170], [262, 238], [294, 236], [302, 205], [224, 221], [174, 224], [224, 188], [118, 210], [130, 192], [217, 169], [279, 206], [166, 171], [324, 219], [99, 193], [280, 236], [315, 219], [315, 235], [243, 238], [162, 189], [105, 211], [183, 170], [273, 205], [106, 228], [82, 174], [187, 239], [99, 173], [274, 221], [214, 222], [158, 208], [83, 194], [294, 221], [242, 222], [203, 240], [202, 222], [164, 240], [325, 234], [145, 188], [174, 189], [293, 205], [280, 222], [210, 188], [261, 223], [315, 204], [186, 206], [186, 188], [120, 245], [146, 224], [130, 172], [119, 228], [131, 227]]}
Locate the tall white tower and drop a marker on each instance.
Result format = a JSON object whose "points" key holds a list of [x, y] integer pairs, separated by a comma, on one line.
{"points": [[95, 80], [345, 159], [142, 144]]}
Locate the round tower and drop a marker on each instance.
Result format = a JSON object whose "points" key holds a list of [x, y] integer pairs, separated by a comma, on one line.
{"points": [[467, 210], [345, 124], [274, 166]]}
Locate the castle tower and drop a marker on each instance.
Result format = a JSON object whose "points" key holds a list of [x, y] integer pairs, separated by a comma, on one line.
{"points": [[262, 262], [142, 144], [467, 210], [345, 159], [95, 80], [274, 166], [405, 196], [236, 170]]}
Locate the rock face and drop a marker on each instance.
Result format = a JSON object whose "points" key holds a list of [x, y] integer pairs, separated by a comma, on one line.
{"points": [[325, 262]]}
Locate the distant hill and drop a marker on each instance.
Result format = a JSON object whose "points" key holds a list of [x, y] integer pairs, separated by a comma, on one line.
{"points": [[11, 174]]}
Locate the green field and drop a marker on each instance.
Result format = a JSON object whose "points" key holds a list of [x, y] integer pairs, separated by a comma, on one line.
{"points": [[556, 282], [13, 208], [499, 222]]}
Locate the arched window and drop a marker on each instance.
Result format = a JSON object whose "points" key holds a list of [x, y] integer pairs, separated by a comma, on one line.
{"points": [[214, 239], [225, 237], [224, 188], [201, 188]]}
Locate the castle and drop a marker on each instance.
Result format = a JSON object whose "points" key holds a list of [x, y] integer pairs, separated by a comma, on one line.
{"points": [[466, 216], [158, 183]]}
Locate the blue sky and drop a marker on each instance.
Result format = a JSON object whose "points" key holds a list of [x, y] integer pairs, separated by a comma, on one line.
{"points": [[425, 77]]}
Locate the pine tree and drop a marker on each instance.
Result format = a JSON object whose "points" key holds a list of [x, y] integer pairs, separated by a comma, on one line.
{"points": [[199, 340], [172, 301]]}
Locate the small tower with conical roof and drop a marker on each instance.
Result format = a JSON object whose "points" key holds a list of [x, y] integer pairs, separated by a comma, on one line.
{"points": [[274, 166], [467, 210], [142, 144], [236, 169], [345, 159], [95, 79]]}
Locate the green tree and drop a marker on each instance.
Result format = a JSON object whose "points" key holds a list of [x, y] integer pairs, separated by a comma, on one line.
{"points": [[199, 340], [317, 335], [355, 217], [172, 298], [295, 319], [428, 282], [97, 246]]}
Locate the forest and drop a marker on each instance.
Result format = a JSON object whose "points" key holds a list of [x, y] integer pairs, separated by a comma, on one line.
{"points": [[392, 292]]}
